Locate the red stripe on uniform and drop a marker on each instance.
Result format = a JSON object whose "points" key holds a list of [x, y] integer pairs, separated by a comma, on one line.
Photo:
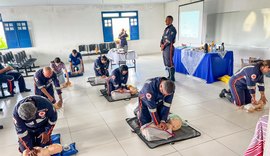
{"points": [[10, 85], [236, 93], [24, 144], [50, 131], [155, 119]]}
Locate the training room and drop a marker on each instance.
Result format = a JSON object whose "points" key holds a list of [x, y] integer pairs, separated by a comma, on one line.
{"points": [[134, 77]]}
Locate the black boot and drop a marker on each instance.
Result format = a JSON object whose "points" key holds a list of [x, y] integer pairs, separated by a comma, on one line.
{"points": [[168, 70], [172, 71], [222, 93]]}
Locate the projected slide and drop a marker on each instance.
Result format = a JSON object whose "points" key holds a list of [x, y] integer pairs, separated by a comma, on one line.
{"points": [[190, 23], [3, 42], [189, 26]]}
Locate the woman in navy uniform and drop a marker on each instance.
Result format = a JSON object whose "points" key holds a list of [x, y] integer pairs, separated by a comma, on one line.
{"points": [[243, 84]]}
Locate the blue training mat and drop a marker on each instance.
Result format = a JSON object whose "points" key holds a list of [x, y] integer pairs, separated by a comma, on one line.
{"points": [[67, 150], [56, 138]]}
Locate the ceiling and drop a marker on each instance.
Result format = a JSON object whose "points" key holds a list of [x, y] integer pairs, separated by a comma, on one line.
{"points": [[4, 3]]}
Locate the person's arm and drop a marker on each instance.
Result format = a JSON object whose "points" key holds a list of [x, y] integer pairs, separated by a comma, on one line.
{"points": [[6, 69], [106, 68], [70, 63], [166, 107], [115, 81], [82, 65], [251, 85], [152, 107], [22, 132], [170, 37], [52, 118], [66, 72], [126, 35], [44, 91], [124, 82], [57, 86], [97, 67], [261, 87], [40, 85]]}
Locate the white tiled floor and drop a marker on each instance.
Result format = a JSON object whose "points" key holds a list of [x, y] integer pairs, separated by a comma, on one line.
{"points": [[99, 128]]}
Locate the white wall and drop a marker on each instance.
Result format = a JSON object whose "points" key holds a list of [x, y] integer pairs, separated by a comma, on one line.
{"points": [[56, 30], [171, 8], [221, 6]]}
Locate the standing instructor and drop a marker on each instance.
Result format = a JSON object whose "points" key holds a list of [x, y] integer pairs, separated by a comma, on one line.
{"points": [[166, 45]]}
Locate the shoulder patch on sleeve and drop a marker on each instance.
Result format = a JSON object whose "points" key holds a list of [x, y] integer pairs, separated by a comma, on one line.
{"points": [[253, 76], [148, 96]]}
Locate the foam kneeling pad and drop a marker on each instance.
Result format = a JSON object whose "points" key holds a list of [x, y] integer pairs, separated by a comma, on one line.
{"points": [[99, 79], [116, 95], [69, 150], [55, 138]]}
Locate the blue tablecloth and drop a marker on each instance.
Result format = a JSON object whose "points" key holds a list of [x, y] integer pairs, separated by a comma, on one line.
{"points": [[211, 67]]}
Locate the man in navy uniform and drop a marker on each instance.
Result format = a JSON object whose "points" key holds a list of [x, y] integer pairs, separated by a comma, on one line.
{"points": [[34, 118], [155, 99], [243, 84], [101, 66], [166, 45], [44, 79], [76, 62], [9, 75], [118, 80]]}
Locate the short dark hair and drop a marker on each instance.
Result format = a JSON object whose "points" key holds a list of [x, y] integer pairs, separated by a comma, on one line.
{"points": [[103, 57], [264, 63], [169, 86], [57, 60], [74, 51], [123, 68], [170, 17]]}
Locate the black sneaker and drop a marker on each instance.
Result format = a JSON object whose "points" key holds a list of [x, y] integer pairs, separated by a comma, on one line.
{"points": [[1, 126], [222, 93], [26, 90]]}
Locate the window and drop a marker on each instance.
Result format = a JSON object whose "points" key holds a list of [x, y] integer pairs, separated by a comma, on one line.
{"points": [[3, 41], [17, 34], [113, 22]]}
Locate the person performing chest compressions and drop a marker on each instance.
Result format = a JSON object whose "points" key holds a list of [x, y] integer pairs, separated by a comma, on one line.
{"points": [[34, 118], [101, 66], [243, 84], [118, 80], [155, 99]]}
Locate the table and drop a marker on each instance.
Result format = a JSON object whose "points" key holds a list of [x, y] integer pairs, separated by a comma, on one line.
{"points": [[119, 56], [208, 66]]}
